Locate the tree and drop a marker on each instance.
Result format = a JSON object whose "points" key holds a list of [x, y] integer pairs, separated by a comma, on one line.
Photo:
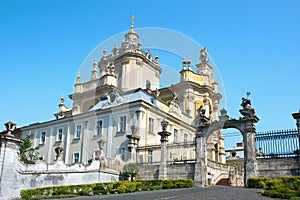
{"points": [[28, 155], [131, 170]]}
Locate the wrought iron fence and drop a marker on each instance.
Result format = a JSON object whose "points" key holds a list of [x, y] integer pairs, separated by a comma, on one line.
{"points": [[276, 144]]}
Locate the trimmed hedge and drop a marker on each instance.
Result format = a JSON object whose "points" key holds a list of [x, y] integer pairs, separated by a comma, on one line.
{"points": [[281, 187], [104, 188]]}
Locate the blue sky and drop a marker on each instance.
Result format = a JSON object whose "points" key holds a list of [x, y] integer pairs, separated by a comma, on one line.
{"points": [[255, 45]]}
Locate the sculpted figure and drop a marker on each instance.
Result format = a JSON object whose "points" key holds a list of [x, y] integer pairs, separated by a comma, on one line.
{"points": [[203, 55], [246, 104], [58, 151]]}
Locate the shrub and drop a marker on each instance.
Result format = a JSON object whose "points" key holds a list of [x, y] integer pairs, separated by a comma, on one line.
{"points": [[167, 184], [27, 194], [274, 184], [258, 182], [188, 183], [121, 189], [280, 193], [103, 188], [131, 187], [99, 188], [281, 187]]}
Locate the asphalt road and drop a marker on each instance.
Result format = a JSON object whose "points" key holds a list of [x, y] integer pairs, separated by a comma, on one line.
{"points": [[195, 193]]}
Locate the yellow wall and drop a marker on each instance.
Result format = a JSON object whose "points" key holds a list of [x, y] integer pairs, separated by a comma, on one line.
{"points": [[198, 103]]}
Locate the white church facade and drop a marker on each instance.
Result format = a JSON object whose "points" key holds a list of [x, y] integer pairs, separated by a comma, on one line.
{"points": [[116, 115]]}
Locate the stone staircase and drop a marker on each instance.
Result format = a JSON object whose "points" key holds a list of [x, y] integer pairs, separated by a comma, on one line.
{"points": [[224, 182]]}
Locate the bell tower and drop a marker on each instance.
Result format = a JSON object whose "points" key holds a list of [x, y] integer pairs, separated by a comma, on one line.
{"points": [[126, 68]]}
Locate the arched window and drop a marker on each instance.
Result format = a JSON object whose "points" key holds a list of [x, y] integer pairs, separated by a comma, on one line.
{"points": [[148, 84]]}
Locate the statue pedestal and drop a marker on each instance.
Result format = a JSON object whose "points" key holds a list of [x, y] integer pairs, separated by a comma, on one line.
{"points": [[164, 155]]}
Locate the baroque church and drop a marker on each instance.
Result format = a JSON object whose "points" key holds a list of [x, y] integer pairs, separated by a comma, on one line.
{"points": [[117, 114]]}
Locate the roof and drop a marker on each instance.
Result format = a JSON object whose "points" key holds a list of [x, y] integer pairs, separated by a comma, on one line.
{"points": [[115, 99]]}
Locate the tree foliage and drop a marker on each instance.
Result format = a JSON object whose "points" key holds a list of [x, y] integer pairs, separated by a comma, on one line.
{"points": [[28, 154], [131, 170]]}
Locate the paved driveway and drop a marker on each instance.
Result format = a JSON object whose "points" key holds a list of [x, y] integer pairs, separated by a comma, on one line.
{"points": [[195, 193]]}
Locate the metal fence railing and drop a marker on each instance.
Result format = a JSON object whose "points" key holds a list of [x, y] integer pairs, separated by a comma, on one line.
{"points": [[276, 144]]}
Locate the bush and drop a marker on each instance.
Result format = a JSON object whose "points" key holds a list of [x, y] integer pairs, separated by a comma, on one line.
{"points": [[188, 183], [281, 187], [104, 188], [274, 184], [167, 184], [27, 194], [280, 193], [258, 182]]}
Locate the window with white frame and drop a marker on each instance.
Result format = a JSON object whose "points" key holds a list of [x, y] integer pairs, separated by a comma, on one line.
{"points": [[150, 156], [151, 125], [75, 157], [99, 125], [122, 125], [43, 137], [175, 136], [59, 134], [185, 138], [77, 132]]}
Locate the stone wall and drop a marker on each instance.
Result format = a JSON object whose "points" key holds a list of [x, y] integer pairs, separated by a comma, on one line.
{"points": [[177, 170], [181, 170], [148, 172], [274, 167], [16, 176]]}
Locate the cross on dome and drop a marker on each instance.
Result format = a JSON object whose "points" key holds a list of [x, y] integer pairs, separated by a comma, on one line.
{"points": [[132, 22]]}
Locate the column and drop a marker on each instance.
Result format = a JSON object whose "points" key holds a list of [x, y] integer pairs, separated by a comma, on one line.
{"points": [[202, 126], [67, 146], [249, 152], [296, 116], [132, 145], [109, 136], [164, 154], [50, 146], [200, 176], [9, 146]]}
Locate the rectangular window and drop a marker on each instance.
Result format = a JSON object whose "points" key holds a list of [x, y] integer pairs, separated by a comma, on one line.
{"points": [[43, 137], [175, 136], [151, 125], [122, 152], [59, 134], [99, 127], [77, 132], [185, 138], [122, 124], [75, 157], [150, 156]]}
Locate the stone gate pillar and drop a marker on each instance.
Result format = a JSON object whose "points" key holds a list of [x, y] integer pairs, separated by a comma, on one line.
{"points": [[296, 116], [164, 154], [201, 125], [200, 176], [9, 146], [250, 162]]}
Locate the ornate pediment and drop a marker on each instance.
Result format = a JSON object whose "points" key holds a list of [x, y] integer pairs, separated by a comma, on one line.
{"points": [[113, 98], [174, 108]]}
